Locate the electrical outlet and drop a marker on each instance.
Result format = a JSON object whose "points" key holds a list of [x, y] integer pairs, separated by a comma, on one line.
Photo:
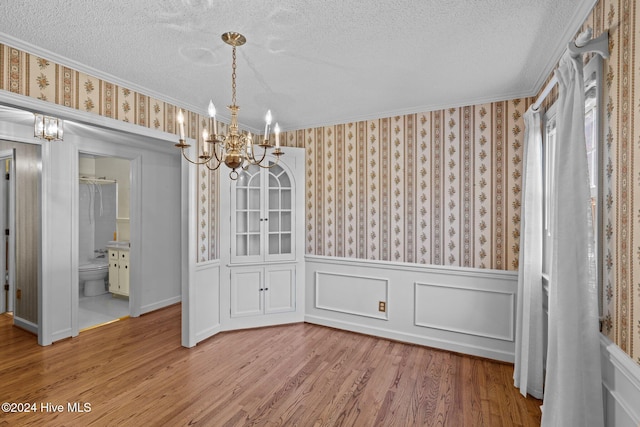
{"points": [[382, 306], [18, 293]]}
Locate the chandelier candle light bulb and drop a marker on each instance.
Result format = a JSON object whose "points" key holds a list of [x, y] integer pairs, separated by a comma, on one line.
{"points": [[181, 124], [276, 130], [212, 115], [267, 120], [205, 137]]}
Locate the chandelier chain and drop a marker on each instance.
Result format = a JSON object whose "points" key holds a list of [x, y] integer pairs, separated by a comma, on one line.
{"points": [[233, 77]]}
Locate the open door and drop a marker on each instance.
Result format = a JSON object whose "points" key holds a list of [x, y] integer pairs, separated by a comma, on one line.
{"points": [[200, 280]]}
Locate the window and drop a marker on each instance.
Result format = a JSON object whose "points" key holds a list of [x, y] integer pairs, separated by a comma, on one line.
{"points": [[592, 81]]}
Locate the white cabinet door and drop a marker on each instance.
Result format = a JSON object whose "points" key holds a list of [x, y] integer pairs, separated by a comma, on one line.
{"points": [[123, 273], [247, 217], [246, 292], [262, 220], [279, 294]]}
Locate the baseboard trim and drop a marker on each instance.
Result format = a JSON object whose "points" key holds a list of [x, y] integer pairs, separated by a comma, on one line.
{"points": [[160, 304], [208, 333], [413, 339], [25, 324]]}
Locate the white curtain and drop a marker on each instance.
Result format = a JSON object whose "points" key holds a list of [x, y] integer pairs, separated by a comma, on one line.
{"points": [[573, 383], [528, 375]]}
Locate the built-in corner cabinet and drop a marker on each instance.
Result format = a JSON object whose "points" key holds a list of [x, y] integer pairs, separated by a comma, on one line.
{"points": [[262, 276]]}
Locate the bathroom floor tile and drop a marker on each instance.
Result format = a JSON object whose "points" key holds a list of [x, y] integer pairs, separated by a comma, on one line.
{"points": [[101, 309]]}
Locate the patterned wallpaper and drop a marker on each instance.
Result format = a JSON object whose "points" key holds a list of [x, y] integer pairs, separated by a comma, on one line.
{"points": [[40, 78], [621, 164], [439, 187]]}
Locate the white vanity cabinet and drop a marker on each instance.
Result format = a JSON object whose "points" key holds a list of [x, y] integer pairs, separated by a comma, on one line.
{"points": [[119, 271]]}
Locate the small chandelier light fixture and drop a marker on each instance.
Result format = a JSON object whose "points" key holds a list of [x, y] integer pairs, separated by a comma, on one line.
{"points": [[45, 127], [233, 149]]}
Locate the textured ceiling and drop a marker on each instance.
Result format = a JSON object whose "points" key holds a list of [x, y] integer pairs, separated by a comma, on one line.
{"points": [[311, 62]]}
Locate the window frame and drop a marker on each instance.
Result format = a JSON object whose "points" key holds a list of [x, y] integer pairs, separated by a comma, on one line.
{"points": [[593, 71]]}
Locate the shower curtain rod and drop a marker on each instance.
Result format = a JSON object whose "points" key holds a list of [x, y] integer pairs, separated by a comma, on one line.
{"points": [[98, 180], [599, 45]]}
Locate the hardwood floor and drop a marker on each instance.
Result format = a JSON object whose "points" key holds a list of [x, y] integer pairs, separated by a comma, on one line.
{"points": [[134, 372]]}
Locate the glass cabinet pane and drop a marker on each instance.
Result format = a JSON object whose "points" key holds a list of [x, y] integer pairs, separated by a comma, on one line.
{"points": [[285, 198], [274, 199], [285, 182], [241, 198], [273, 181], [241, 222], [285, 221], [274, 222], [254, 244], [254, 198], [274, 244], [254, 221], [285, 243], [241, 245]]}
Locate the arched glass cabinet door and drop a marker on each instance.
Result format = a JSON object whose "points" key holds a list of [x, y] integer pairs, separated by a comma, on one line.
{"points": [[262, 220]]}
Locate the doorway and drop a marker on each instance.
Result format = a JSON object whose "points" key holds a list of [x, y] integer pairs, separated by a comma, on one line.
{"points": [[7, 246], [104, 239]]}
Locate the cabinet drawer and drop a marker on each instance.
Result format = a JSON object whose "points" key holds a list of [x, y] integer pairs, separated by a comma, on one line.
{"points": [[124, 256]]}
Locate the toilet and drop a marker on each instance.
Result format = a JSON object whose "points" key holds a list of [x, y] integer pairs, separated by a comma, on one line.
{"points": [[93, 275]]}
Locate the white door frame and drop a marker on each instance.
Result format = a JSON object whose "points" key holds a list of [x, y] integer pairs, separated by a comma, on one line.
{"points": [[10, 220]]}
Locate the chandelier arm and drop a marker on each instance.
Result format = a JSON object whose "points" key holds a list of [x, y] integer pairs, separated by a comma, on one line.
{"points": [[216, 167], [215, 153], [264, 154], [204, 160], [218, 161], [269, 166]]}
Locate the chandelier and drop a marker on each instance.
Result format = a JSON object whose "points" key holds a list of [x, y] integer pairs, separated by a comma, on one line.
{"points": [[236, 150]]}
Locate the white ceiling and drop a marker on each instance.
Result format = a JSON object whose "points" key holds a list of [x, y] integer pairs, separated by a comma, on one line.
{"points": [[313, 62]]}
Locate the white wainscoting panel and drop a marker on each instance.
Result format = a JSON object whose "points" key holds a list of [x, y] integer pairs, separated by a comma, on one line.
{"points": [[486, 313], [620, 386], [351, 294], [465, 310], [206, 301]]}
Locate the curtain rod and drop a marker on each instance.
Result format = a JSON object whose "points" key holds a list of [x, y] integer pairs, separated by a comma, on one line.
{"points": [[97, 180], [599, 45]]}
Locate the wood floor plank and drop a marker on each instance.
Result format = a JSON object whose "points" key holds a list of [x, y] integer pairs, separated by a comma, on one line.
{"points": [[134, 372]]}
